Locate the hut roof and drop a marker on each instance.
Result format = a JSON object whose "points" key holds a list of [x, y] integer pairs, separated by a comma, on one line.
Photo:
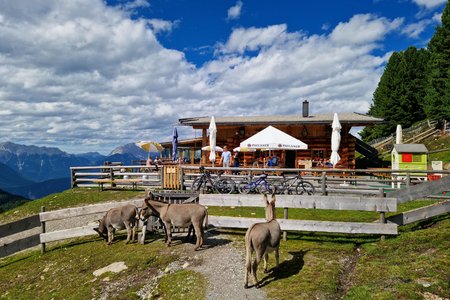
{"points": [[410, 148], [353, 119]]}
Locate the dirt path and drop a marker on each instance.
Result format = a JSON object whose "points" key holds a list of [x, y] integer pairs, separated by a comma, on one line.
{"points": [[222, 264]]}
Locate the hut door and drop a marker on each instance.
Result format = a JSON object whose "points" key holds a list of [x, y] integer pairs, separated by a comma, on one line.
{"points": [[290, 159]]}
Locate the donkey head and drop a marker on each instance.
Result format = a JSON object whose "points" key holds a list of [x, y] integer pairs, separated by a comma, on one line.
{"points": [[270, 208], [147, 210]]}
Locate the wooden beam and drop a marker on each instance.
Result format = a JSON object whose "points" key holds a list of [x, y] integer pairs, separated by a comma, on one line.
{"points": [[301, 201], [306, 225], [67, 233], [19, 245], [19, 226], [85, 210], [422, 190], [422, 213]]}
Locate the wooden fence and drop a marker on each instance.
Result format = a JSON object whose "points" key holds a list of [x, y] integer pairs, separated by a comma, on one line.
{"points": [[43, 236], [180, 177], [378, 204]]}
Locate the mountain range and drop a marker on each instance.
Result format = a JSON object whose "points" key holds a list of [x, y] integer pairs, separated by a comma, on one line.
{"points": [[33, 172]]}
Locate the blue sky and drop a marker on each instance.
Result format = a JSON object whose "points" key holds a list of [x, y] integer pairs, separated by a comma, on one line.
{"points": [[90, 75]]}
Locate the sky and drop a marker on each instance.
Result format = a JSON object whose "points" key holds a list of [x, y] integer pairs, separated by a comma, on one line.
{"points": [[91, 75]]}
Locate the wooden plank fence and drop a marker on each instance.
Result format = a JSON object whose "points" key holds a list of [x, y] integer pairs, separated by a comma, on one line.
{"points": [[422, 213], [172, 177], [378, 204], [12, 228]]}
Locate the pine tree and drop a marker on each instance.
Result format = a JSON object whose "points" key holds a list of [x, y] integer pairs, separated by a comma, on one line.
{"points": [[437, 99], [399, 96]]}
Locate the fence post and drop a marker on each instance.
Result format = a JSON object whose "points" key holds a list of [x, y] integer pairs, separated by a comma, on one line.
{"points": [[408, 179], [382, 213], [285, 216], [324, 183], [72, 179], [181, 178], [42, 230]]}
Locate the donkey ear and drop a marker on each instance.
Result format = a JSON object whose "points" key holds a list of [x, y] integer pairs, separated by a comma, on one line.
{"points": [[273, 198], [265, 199]]}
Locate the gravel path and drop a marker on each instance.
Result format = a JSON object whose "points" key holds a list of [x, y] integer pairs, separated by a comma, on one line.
{"points": [[223, 266]]}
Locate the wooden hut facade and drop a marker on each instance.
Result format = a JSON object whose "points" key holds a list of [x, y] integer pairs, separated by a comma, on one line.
{"points": [[314, 130]]}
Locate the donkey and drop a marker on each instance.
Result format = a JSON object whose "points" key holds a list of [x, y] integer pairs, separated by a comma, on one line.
{"points": [[262, 238], [181, 215], [118, 218]]}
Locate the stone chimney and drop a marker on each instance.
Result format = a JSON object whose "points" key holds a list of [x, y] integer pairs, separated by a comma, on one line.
{"points": [[305, 109]]}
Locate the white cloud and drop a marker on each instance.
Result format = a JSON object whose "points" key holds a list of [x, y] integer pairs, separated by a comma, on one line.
{"points": [[429, 4], [234, 12], [437, 17], [86, 77], [159, 25], [363, 29], [415, 29], [253, 39]]}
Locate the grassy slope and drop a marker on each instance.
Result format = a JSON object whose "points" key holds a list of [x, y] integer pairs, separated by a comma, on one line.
{"points": [[313, 265]]}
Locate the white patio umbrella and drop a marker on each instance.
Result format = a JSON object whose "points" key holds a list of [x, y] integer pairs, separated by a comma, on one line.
{"points": [[212, 140], [271, 138], [399, 135], [208, 148], [335, 140]]}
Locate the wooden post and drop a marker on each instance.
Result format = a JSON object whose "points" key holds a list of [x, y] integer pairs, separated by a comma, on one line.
{"points": [[408, 179], [324, 183], [72, 178], [42, 231], [181, 178], [382, 213], [285, 216], [161, 176]]}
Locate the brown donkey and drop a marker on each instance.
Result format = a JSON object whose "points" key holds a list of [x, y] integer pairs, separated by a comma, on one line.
{"points": [[180, 215], [262, 238]]}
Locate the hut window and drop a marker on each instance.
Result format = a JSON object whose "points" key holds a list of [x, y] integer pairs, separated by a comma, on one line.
{"points": [[417, 158], [406, 157]]}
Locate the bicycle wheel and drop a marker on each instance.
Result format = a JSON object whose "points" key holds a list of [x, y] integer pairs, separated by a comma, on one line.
{"points": [[225, 186], [245, 187], [278, 186], [262, 189], [305, 187], [198, 185]]}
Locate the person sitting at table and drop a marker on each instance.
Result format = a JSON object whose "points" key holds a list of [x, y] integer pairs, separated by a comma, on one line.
{"points": [[328, 164]]}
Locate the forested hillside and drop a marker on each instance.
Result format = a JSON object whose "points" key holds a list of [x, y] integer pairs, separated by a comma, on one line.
{"points": [[415, 85]]}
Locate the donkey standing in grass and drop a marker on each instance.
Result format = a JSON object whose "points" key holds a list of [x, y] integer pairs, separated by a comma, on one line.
{"points": [[180, 215], [262, 238], [119, 218]]}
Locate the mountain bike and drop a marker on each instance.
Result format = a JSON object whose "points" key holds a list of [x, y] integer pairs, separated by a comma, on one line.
{"points": [[260, 185], [293, 185], [207, 184]]}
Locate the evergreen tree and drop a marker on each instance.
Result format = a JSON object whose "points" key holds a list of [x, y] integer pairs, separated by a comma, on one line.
{"points": [[437, 99], [399, 96]]}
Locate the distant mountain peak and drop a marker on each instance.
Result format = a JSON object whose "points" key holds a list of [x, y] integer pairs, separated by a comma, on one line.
{"points": [[24, 149], [130, 148]]}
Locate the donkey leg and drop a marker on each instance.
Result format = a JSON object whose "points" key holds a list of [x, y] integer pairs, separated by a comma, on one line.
{"points": [[127, 226], [199, 234], [168, 233], [266, 259], [248, 268], [277, 257], [255, 264]]}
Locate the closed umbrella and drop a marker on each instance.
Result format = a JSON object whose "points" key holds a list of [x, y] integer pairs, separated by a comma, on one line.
{"points": [[174, 143], [335, 140], [212, 140], [150, 146], [399, 135]]}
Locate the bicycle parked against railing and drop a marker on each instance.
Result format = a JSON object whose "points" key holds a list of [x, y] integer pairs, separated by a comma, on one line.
{"points": [[293, 185], [207, 184], [260, 185]]}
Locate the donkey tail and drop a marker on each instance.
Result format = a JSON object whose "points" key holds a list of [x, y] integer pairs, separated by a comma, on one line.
{"points": [[248, 243], [206, 218]]}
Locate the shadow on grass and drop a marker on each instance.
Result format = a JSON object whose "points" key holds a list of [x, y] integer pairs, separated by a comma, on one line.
{"points": [[286, 269]]}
